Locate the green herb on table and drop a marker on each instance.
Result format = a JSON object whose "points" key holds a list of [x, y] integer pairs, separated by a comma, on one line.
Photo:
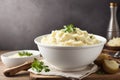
{"points": [[39, 66], [69, 28], [24, 53]]}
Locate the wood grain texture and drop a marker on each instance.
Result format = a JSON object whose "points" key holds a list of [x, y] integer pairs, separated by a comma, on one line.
{"points": [[23, 75], [12, 71], [90, 77]]}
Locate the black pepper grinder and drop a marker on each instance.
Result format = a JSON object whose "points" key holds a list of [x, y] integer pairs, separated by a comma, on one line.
{"points": [[113, 28]]}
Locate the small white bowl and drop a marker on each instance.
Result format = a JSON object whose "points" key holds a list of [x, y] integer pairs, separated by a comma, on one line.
{"points": [[15, 61], [68, 58]]}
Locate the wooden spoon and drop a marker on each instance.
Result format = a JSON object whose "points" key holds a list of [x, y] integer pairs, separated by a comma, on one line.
{"points": [[12, 71]]}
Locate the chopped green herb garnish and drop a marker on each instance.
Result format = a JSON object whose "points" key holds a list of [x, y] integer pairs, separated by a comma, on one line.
{"points": [[39, 66], [69, 28], [91, 36], [25, 53]]}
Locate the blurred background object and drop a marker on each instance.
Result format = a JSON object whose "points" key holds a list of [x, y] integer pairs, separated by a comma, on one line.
{"points": [[113, 30], [23, 20]]}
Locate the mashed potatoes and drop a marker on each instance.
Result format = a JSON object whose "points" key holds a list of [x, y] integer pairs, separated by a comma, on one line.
{"points": [[16, 56], [70, 36], [114, 42]]}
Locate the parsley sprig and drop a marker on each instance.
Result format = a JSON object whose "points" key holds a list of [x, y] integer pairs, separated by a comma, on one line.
{"points": [[39, 66], [69, 28], [25, 53]]}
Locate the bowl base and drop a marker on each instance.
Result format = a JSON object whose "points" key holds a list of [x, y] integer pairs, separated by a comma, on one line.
{"points": [[68, 69]]}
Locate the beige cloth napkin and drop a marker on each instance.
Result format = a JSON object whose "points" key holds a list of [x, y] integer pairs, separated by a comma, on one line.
{"points": [[70, 74]]}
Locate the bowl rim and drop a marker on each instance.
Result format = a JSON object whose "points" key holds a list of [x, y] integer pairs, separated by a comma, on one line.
{"points": [[5, 55], [104, 40]]}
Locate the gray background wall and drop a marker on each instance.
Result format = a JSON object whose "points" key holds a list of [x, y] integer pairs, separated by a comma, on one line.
{"points": [[23, 20]]}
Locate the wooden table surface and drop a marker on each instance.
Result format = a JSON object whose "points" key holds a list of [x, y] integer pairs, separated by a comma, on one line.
{"points": [[24, 75], [20, 76]]}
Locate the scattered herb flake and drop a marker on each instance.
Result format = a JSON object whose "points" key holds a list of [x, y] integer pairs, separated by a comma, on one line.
{"points": [[24, 53], [91, 36]]}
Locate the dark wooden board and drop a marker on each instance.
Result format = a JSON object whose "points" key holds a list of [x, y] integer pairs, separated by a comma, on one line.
{"points": [[90, 77]]}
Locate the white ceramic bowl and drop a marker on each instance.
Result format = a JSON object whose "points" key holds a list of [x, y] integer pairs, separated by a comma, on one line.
{"points": [[12, 62], [70, 58]]}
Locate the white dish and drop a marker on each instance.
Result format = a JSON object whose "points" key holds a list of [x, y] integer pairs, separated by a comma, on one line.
{"points": [[15, 61], [68, 58]]}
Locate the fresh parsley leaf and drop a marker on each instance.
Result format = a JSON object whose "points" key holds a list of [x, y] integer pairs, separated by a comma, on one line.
{"points": [[24, 53], [69, 28], [39, 66]]}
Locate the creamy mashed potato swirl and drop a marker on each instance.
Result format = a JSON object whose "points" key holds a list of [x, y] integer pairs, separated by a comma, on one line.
{"points": [[114, 42], [74, 38]]}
